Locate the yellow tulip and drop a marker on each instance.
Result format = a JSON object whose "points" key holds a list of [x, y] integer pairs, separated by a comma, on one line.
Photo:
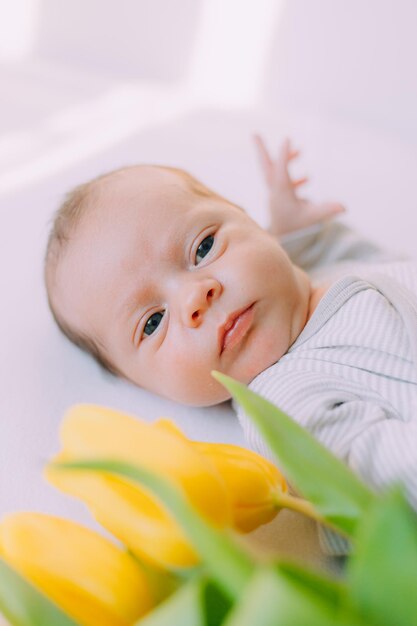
{"points": [[254, 484], [90, 578], [130, 513]]}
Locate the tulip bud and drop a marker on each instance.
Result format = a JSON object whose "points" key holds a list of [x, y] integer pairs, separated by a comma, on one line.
{"points": [[253, 483], [90, 578], [126, 510]]}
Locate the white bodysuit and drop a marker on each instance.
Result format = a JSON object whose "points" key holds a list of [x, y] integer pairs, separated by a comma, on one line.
{"points": [[350, 378]]}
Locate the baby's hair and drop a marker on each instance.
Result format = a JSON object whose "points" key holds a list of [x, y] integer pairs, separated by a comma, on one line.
{"points": [[64, 223]]}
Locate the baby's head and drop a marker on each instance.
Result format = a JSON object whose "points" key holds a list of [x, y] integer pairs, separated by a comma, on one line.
{"points": [[163, 281]]}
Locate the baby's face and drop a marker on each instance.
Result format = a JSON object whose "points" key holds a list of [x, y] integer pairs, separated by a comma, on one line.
{"points": [[173, 286]]}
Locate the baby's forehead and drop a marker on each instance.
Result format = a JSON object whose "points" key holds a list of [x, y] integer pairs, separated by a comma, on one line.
{"points": [[146, 183], [146, 193]]}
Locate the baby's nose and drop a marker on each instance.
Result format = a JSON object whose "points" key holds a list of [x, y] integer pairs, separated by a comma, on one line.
{"points": [[197, 298]]}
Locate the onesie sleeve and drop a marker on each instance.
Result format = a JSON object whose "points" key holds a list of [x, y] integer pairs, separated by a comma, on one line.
{"points": [[374, 441], [386, 453], [382, 454], [332, 242]]}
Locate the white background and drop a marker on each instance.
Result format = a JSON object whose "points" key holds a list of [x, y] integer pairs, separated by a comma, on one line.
{"points": [[89, 85]]}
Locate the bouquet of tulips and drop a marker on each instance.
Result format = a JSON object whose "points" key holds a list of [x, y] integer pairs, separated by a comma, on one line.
{"points": [[175, 509]]}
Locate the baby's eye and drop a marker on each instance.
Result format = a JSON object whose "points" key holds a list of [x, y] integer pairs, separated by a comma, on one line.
{"points": [[204, 248], [153, 323]]}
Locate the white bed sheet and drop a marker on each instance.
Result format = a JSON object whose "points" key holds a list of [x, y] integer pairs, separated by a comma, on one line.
{"points": [[51, 149]]}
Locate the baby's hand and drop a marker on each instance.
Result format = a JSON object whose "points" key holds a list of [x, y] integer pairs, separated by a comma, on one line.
{"points": [[288, 212]]}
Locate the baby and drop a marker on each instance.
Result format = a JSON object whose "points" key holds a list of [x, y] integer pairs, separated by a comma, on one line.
{"points": [[163, 281]]}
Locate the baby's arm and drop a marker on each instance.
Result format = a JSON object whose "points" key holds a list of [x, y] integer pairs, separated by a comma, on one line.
{"points": [[377, 444], [307, 231], [383, 453]]}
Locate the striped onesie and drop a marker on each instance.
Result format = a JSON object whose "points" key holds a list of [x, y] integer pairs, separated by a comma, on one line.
{"points": [[350, 378]]}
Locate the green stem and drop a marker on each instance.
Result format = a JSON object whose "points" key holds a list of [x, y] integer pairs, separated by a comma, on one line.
{"points": [[299, 505]]}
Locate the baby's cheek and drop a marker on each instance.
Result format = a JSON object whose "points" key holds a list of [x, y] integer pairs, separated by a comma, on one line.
{"points": [[252, 268], [269, 350], [187, 379]]}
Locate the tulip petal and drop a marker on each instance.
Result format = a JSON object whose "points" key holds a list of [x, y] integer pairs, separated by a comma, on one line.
{"points": [[24, 605], [90, 431], [84, 573], [167, 424], [253, 483], [229, 564], [130, 514]]}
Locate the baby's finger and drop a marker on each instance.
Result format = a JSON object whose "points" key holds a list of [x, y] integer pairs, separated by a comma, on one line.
{"points": [[280, 166], [293, 154], [329, 209], [266, 160], [299, 181], [284, 150]]}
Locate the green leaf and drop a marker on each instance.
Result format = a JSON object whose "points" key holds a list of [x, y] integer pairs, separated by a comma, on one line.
{"points": [[383, 570], [23, 605], [184, 607], [227, 562], [198, 603], [289, 596], [337, 494], [330, 590], [216, 604]]}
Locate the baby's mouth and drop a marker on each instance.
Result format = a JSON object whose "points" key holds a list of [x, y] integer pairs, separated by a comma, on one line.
{"points": [[235, 328]]}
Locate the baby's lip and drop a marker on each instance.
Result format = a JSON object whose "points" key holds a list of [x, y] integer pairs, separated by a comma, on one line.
{"points": [[235, 327]]}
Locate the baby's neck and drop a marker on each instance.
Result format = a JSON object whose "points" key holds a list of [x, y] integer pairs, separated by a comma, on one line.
{"points": [[316, 294], [310, 296]]}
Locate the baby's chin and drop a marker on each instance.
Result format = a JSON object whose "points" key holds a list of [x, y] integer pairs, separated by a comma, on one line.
{"points": [[210, 396]]}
